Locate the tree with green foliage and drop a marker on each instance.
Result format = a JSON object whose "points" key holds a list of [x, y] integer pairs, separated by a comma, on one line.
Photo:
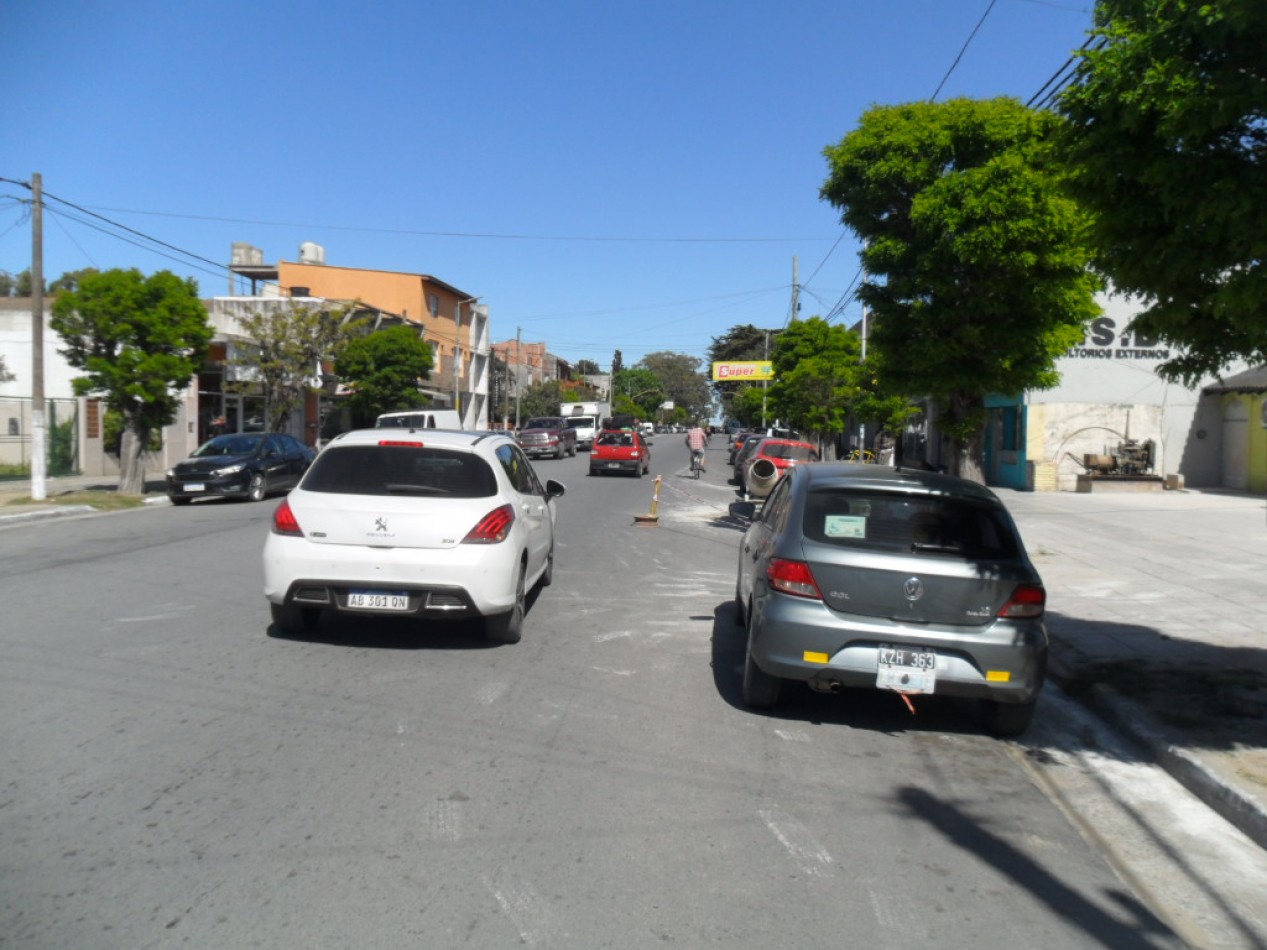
{"points": [[70, 280], [5, 375], [384, 370], [139, 341], [818, 376], [541, 399], [587, 368], [637, 392], [976, 259], [287, 344], [1167, 142], [685, 384], [25, 284]]}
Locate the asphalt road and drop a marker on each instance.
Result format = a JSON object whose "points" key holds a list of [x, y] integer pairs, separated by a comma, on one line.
{"points": [[174, 775]]}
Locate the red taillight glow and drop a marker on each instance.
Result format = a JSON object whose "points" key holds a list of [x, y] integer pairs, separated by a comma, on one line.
{"points": [[398, 442], [284, 521], [1027, 602], [493, 527], [792, 577]]}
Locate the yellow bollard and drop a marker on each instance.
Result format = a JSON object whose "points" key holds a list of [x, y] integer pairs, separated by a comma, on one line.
{"points": [[654, 517]]}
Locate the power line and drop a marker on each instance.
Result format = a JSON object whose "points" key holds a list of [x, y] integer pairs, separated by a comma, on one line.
{"points": [[489, 235], [962, 51]]}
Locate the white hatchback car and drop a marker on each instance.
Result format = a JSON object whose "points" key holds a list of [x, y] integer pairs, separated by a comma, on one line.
{"points": [[423, 523]]}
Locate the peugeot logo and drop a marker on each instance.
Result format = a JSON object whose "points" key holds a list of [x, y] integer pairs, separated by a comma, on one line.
{"points": [[913, 588], [381, 525]]}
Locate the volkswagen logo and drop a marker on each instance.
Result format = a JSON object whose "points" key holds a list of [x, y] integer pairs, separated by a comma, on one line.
{"points": [[913, 588]]}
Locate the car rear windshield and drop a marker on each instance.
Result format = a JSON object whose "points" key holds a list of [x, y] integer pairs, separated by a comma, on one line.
{"points": [[616, 438], [581, 422], [400, 470], [911, 524]]}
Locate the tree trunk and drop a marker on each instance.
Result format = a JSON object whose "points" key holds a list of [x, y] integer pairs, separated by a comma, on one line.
{"points": [[131, 464]]}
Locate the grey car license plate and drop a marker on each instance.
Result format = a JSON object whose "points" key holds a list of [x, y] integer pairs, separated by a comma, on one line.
{"points": [[907, 669]]}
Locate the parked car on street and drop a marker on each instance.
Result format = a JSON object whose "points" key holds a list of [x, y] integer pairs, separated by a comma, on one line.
{"points": [[620, 450], [736, 444], [744, 452], [769, 461], [430, 524], [246, 465], [855, 575]]}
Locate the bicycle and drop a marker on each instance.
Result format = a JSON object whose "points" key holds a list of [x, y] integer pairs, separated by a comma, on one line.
{"points": [[697, 460], [865, 455]]}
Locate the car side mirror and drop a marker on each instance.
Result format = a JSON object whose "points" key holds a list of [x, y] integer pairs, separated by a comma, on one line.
{"points": [[554, 489], [744, 510]]}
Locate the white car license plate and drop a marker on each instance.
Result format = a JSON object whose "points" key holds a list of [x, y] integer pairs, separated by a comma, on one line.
{"points": [[378, 599], [614, 465], [909, 669], [195, 486]]}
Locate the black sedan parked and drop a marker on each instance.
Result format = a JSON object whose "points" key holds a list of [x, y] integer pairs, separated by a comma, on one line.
{"points": [[246, 465]]}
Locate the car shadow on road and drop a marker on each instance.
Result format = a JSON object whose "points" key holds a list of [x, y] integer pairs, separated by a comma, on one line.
{"points": [[873, 710], [400, 633]]}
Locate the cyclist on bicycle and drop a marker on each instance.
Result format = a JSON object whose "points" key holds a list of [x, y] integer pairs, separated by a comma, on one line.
{"points": [[697, 441]]}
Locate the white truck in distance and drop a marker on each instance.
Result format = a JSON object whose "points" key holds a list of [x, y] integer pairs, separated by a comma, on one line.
{"points": [[585, 418]]}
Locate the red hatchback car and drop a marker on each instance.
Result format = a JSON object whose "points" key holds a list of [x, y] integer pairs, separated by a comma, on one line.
{"points": [[620, 450], [771, 459]]}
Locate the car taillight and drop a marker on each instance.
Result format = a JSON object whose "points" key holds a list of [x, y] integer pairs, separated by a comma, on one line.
{"points": [[1027, 602], [792, 577], [284, 521], [493, 527]]}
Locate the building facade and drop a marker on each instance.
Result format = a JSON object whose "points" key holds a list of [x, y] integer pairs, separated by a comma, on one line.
{"points": [[1111, 404], [454, 322]]}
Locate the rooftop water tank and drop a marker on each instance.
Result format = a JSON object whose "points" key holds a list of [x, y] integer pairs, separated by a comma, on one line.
{"points": [[311, 253]]}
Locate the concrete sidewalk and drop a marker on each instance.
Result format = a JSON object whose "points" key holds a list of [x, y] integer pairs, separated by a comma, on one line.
{"points": [[1156, 609]]}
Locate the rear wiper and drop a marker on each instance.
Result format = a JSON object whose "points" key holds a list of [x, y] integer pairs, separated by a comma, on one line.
{"points": [[937, 548], [401, 489]]}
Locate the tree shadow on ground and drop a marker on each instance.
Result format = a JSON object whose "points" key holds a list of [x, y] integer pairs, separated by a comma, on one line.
{"points": [[1202, 695]]}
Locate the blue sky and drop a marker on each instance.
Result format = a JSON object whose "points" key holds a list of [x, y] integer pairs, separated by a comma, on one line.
{"points": [[605, 175]]}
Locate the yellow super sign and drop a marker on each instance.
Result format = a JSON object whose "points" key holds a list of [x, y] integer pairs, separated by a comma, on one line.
{"points": [[745, 370]]}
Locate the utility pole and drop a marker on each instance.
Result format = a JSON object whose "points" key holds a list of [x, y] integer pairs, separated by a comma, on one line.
{"points": [[38, 425], [796, 293], [765, 383], [862, 426], [519, 371]]}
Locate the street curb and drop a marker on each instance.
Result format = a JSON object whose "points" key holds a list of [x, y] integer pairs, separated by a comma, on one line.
{"points": [[59, 511], [48, 513], [1236, 806]]}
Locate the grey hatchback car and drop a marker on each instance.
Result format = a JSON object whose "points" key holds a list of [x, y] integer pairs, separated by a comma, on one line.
{"points": [[857, 575]]}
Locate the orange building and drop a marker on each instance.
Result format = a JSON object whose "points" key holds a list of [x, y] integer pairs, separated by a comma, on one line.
{"points": [[453, 321]]}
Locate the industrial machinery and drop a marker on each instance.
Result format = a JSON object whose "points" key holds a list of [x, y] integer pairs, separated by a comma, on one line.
{"points": [[1130, 458]]}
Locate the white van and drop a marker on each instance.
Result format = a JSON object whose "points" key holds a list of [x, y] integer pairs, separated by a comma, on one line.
{"points": [[420, 419]]}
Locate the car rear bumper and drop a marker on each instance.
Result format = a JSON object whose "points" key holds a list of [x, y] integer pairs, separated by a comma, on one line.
{"points": [[799, 639], [458, 581], [629, 466]]}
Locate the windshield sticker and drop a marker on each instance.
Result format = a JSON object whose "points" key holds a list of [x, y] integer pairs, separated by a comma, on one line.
{"points": [[845, 526]]}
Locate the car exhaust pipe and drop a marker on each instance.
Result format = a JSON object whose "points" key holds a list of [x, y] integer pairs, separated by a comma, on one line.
{"points": [[761, 477], [826, 686]]}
